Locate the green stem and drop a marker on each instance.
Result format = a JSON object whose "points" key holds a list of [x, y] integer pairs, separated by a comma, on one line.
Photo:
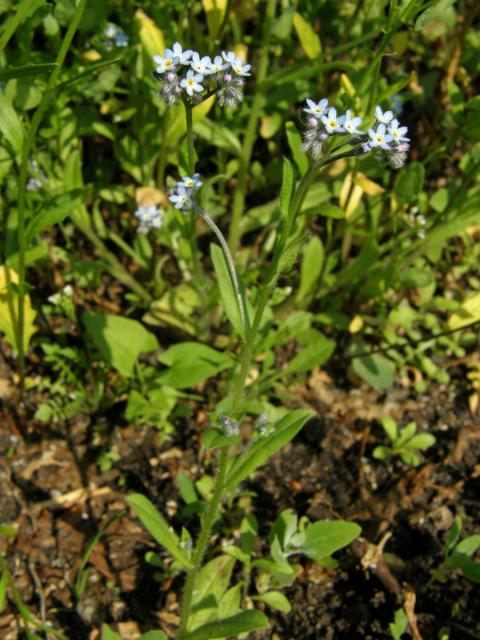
{"points": [[14, 22], [22, 181], [197, 266], [201, 546], [251, 130], [162, 161], [191, 152]]}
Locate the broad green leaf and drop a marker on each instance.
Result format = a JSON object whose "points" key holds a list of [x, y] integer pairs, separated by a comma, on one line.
{"points": [[283, 573], [375, 369], [218, 135], [26, 70], [311, 267], [10, 125], [231, 601], [295, 143], [227, 290], [284, 528], [215, 10], [421, 441], [187, 489], [52, 212], [248, 533], [468, 546], [468, 312], [190, 363], [153, 635], [327, 536], [453, 535], [434, 12], [108, 634], [410, 182], [265, 446], [406, 434], [331, 211], [151, 36], [176, 308], [390, 427], [211, 585], [311, 356], [399, 625], [9, 304], [119, 340], [275, 600], [382, 453], [308, 38], [242, 622], [158, 527], [288, 188]]}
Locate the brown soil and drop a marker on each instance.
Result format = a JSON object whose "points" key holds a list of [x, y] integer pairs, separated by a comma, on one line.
{"points": [[52, 492]]}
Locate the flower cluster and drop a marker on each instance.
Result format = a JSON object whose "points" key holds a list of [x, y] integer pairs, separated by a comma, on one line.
{"points": [[323, 122], [149, 217], [387, 137], [187, 72], [115, 36], [181, 196]]}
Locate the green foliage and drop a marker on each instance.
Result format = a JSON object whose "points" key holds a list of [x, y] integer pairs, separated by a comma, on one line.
{"points": [[190, 363], [459, 554], [399, 625], [405, 443], [158, 527], [119, 341]]}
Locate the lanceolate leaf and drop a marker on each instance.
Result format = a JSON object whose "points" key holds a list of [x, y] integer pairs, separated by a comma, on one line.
{"points": [[326, 536], [233, 626], [266, 446], [26, 70], [10, 125], [53, 211], [158, 527], [227, 290]]}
